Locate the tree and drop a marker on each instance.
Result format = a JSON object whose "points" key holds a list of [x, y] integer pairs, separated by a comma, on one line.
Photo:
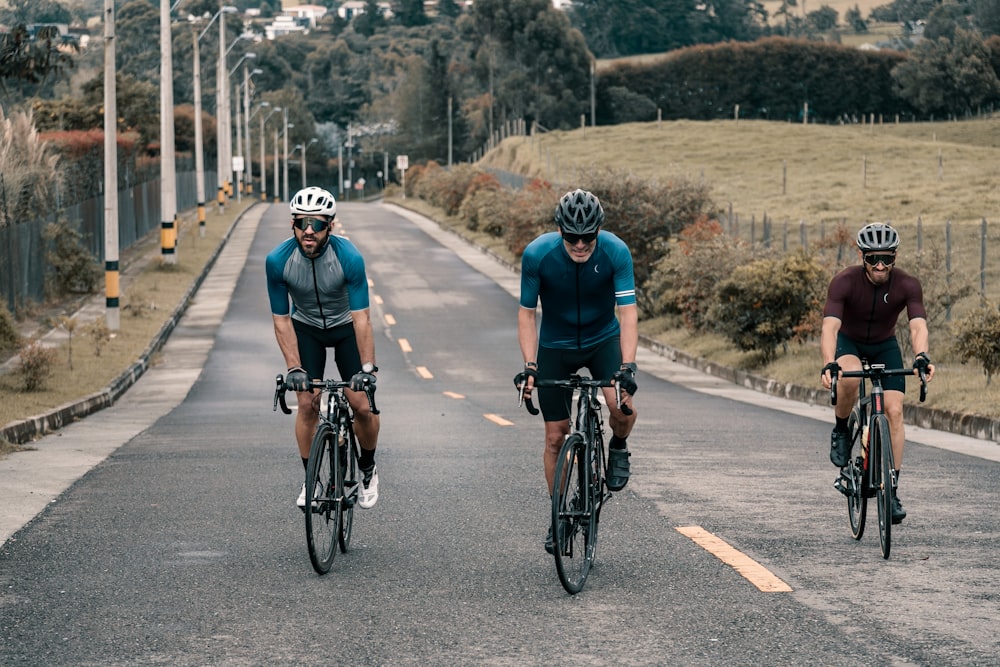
{"points": [[23, 58], [823, 19], [945, 77], [411, 13], [448, 8], [34, 11], [371, 20], [853, 18]]}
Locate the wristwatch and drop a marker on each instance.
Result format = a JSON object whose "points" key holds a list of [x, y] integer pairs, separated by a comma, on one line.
{"points": [[369, 367]]}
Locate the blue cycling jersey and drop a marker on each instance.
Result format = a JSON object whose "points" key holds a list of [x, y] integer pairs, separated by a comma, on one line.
{"points": [[578, 300], [323, 290]]}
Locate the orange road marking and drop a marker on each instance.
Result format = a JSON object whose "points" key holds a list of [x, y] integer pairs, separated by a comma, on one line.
{"points": [[498, 420], [451, 394], [424, 373], [747, 567], [404, 345]]}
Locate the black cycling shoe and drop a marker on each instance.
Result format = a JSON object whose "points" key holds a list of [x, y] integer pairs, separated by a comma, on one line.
{"points": [[548, 541], [618, 469], [840, 448], [898, 513]]}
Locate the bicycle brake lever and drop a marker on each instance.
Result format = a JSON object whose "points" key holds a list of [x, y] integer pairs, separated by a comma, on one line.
{"points": [[923, 385], [525, 401], [626, 410], [833, 389], [279, 395]]}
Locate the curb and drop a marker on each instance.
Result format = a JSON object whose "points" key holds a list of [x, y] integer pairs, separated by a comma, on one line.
{"points": [[32, 428]]}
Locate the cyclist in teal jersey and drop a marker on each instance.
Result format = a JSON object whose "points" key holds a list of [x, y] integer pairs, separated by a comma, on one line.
{"points": [[859, 321], [580, 275]]}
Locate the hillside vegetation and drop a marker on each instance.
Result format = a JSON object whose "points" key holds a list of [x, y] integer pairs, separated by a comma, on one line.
{"points": [[832, 176]]}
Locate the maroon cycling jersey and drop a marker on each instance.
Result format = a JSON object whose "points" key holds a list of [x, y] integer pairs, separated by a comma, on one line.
{"points": [[868, 312]]}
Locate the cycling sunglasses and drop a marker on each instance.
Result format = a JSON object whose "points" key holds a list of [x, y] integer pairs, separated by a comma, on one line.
{"points": [[317, 224], [872, 260], [573, 239]]}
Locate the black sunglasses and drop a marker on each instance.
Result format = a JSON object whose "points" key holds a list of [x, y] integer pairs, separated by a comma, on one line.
{"points": [[573, 239], [872, 260], [317, 224]]}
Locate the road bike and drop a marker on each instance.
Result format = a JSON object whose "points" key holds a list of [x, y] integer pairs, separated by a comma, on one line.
{"points": [[332, 479], [869, 470], [579, 490]]}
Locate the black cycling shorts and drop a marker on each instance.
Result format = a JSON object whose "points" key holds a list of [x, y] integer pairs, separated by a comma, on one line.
{"points": [[602, 361], [313, 343], [887, 352]]}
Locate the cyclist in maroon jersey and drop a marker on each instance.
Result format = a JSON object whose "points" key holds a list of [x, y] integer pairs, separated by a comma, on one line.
{"points": [[859, 321]]}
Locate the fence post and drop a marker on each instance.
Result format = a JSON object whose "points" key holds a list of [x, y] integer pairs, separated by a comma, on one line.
{"points": [[982, 262], [947, 267]]}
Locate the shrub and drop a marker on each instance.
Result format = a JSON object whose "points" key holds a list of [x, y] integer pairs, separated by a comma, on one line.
{"points": [[684, 281], [10, 339], [35, 366], [100, 333], [759, 306], [74, 269], [977, 336], [532, 213]]}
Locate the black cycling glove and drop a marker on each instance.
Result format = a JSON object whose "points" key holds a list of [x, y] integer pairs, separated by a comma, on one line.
{"points": [[834, 369], [297, 379], [921, 362], [522, 377], [625, 377], [361, 380]]}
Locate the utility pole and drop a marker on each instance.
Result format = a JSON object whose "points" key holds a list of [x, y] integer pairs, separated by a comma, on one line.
{"points": [[111, 276]]}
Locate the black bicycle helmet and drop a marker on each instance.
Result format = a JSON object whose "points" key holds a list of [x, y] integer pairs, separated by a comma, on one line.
{"points": [[877, 236], [313, 201], [579, 212]]}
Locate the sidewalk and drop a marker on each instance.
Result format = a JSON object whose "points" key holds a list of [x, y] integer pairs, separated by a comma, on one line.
{"points": [[35, 477]]}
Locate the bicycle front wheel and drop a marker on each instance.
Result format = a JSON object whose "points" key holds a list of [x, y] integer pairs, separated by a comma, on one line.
{"points": [[348, 484], [857, 495], [573, 515], [884, 495], [322, 506]]}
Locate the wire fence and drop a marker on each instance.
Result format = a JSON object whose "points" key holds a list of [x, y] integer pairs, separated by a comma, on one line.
{"points": [[23, 246]]}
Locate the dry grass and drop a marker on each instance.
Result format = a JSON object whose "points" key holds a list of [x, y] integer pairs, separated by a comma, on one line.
{"points": [[149, 298], [745, 163]]}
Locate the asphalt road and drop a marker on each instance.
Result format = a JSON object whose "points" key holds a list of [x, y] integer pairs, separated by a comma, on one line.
{"points": [[183, 545]]}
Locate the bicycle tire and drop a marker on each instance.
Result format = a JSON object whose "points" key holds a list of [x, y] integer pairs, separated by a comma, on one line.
{"points": [[884, 494], [322, 508], [857, 497], [573, 515], [348, 485]]}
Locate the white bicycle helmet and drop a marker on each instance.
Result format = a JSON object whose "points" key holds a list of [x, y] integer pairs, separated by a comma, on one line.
{"points": [[313, 201], [877, 236]]}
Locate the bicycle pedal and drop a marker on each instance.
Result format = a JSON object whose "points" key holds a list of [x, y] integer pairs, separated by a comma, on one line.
{"points": [[843, 485]]}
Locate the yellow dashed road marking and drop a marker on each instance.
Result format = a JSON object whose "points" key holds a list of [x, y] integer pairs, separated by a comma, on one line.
{"points": [[377, 299], [404, 345], [451, 394], [390, 320], [424, 373], [747, 567], [498, 420]]}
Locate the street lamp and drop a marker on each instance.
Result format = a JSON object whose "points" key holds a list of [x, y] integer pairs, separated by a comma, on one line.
{"points": [[278, 135], [246, 116], [304, 149], [199, 141], [238, 169], [263, 164]]}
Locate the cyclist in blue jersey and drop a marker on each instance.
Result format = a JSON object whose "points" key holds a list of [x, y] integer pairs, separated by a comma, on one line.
{"points": [[579, 274], [318, 291]]}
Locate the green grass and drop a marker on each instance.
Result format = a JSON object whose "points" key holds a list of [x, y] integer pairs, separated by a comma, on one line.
{"points": [[817, 176]]}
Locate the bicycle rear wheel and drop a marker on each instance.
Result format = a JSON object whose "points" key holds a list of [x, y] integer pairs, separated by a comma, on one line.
{"points": [[857, 496], [347, 488], [884, 495], [573, 516], [322, 507]]}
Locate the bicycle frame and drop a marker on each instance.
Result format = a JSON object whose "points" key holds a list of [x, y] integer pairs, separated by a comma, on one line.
{"points": [[871, 473]]}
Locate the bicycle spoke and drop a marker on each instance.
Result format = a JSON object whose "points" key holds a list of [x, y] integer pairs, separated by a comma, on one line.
{"points": [[573, 517], [322, 506]]}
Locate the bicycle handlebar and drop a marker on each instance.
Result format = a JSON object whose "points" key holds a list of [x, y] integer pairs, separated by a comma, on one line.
{"points": [[574, 382], [322, 385], [877, 370]]}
